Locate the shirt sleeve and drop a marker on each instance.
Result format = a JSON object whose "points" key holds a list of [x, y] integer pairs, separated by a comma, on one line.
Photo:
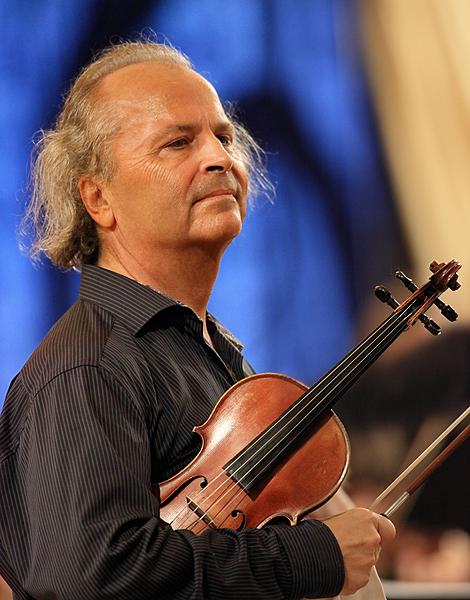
{"points": [[94, 522]]}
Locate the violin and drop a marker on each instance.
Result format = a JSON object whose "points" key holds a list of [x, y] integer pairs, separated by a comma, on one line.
{"points": [[274, 449]]}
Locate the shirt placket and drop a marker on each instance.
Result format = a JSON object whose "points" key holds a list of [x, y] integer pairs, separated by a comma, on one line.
{"points": [[193, 326]]}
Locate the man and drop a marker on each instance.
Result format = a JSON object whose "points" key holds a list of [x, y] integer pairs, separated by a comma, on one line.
{"points": [[142, 185]]}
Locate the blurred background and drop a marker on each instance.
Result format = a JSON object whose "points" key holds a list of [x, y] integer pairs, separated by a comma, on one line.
{"points": [[363, 109]]}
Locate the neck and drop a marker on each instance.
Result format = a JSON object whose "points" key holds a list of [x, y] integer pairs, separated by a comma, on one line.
{"points": [[187, 276]]}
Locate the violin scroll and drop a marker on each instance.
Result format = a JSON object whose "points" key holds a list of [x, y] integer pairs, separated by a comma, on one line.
{"points": [[444, 277]]}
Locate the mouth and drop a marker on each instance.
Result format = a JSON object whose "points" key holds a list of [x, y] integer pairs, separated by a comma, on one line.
{"points": [[219, 193]]}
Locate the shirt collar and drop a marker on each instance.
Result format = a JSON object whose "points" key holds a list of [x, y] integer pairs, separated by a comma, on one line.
{"points": [[132, 302], [221, 329]]}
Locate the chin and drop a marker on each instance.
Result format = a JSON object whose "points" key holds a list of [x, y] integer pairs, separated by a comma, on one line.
{"points": [[220, 237]]}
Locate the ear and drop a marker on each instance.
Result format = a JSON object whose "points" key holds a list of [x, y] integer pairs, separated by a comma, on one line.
{"points": [[96, 204]]}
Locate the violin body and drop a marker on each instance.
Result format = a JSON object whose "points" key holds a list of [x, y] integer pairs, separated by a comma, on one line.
{"points": [[273, 448], [205, 495]]}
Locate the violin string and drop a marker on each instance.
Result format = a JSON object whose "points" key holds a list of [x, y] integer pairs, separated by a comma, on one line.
{"points": [[310, 409], [404, 318], [401, 318], [368, 342], [393, 323], [273, 458], [400, 315], [390, 323]]}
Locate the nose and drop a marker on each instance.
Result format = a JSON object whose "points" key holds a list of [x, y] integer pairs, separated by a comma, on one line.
{"points": [[215, 157]]}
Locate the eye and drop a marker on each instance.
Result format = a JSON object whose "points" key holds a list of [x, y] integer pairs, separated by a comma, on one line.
{"points": [[179, 143], [225, 139]]}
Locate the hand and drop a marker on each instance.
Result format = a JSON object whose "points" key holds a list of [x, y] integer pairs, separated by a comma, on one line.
{"points": [[360, 534]]}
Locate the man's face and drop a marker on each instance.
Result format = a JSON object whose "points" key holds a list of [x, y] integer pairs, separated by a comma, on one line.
{"points": [[178, 182]]}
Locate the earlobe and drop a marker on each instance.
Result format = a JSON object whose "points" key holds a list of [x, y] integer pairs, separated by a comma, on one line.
{"points": [[95, 202]]}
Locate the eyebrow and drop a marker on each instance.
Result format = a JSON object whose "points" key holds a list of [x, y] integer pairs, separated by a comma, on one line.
{"points": [[185, 127]]}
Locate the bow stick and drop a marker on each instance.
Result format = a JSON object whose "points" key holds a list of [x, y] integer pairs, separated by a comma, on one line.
{"points": [[429, 470], [433, 465]]}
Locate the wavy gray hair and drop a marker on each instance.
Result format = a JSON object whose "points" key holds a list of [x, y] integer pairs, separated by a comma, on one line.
{"points": [[78, 144]]}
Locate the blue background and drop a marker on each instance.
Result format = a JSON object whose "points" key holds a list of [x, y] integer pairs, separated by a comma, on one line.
{"points": [[294, 284]]}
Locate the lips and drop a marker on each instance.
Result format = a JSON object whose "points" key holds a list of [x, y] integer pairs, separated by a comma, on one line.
{"points": [[217, 192]]}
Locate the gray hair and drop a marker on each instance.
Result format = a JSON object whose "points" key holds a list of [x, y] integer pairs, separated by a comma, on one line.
{"points": [[79, 145]]}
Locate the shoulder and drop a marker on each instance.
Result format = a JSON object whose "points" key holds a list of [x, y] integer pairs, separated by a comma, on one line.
{"points": [[87, 357], [77, 339], [86, 337]]}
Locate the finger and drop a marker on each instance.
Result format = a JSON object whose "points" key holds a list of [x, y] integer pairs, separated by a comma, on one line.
{"points": [[386, 529]]}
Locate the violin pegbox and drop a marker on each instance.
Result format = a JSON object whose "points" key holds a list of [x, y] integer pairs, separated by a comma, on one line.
{"points": [[444, 277]]}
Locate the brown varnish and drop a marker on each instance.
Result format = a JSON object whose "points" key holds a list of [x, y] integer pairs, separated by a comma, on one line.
{"points": [[301, 482]]}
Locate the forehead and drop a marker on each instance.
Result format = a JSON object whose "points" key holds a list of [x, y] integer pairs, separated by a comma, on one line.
{"points": [[161, 90]]}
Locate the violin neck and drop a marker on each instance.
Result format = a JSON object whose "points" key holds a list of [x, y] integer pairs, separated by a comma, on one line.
{"points": [[256, 460]]}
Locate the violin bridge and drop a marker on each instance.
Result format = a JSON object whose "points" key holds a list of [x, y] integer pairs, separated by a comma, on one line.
{"points": [[204, 516]]}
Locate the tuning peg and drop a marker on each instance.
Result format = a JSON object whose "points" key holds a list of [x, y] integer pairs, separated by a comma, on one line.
{"points": [[386, 297], [407, 282], [447, 310], [430, 325]]}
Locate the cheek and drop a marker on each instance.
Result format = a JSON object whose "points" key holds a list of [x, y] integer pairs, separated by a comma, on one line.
{"points": [[166, 182], [162, 180], [243, 180], [241, 173], [145, 185]]}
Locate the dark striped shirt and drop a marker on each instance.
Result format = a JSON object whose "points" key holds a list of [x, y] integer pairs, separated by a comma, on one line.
{"points": [[103, 409]]}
